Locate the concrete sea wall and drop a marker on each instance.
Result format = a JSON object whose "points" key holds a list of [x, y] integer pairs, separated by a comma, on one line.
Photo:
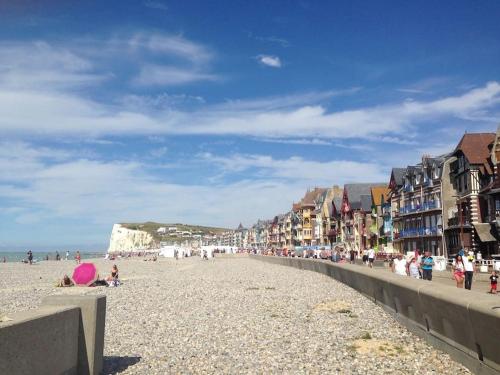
{"points": [[64, 336], [465, 324]]}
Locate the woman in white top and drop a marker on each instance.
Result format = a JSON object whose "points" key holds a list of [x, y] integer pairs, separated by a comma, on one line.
{"points": [[399, 266], [459, 271], [413, 269]]}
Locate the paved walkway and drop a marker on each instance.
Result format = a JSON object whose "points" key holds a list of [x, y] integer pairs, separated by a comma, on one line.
{"points": [[480, 281]]}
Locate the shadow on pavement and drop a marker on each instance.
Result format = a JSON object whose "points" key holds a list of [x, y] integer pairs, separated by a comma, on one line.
{"points": [[115, 364]]}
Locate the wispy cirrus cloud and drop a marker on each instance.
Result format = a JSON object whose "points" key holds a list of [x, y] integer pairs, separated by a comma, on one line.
{"points": [[158, 75], [149, 58], [49, 67], [155, 5], [323, 173], [104, 192], [62, 113], [270, 39], [268, 60]]}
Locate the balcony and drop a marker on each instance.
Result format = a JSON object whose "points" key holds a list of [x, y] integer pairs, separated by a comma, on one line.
{"points": [[426, 206], [455, 222], [420, 232]]}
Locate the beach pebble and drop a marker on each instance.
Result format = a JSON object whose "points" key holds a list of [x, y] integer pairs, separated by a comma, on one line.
{"points": [[233, 315]]}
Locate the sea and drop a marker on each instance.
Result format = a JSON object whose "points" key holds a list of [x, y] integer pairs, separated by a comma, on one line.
{"points": [[18, 256]]}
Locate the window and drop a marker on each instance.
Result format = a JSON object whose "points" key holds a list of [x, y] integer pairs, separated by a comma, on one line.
{"points": [[465, 182]]}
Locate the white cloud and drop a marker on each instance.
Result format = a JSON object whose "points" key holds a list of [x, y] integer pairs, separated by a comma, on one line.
{"points": [[158, 59], [104, 192], [172, 45], [291, 141], [155, 5], [158, 152], [272, 61], [160, 75], [39, 65], [61, 113], [299, 169]]}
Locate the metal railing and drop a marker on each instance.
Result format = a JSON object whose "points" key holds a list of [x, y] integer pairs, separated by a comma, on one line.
{"points": [[420, 232], [426, 206]]}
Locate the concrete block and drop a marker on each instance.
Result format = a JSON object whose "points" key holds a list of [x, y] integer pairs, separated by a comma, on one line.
{"points": [[484, 316], [91, 332], [446, 313], [42, 341]]}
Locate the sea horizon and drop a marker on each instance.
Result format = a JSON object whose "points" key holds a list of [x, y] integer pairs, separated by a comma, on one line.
{"points": [[40, 255]]}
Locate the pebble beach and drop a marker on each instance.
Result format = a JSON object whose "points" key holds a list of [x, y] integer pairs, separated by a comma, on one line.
{"points": [[232, 315]]}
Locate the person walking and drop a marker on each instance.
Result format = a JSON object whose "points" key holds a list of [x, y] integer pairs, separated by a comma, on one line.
{"points": [[458, 270], [426, 263], [352, 256], [78, 257], [371, 257], [470, 268], [30, 257], [493, 282], [67, 254]]}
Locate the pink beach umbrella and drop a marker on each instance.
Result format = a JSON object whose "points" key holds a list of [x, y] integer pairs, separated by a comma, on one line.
{"points": [[85, 274]]}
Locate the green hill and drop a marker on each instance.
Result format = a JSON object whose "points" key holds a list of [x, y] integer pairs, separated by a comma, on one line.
{"points": [[152, 228]]}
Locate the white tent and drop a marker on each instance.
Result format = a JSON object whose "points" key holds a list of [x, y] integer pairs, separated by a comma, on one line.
{"points": [[209, 249], [169, 251]]}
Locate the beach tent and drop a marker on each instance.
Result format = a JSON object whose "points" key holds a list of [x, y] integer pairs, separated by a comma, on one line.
{"points": [[209, 249], [169, 251]]}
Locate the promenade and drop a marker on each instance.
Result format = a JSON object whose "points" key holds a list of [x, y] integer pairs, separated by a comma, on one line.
{"points": [[234, 315]]}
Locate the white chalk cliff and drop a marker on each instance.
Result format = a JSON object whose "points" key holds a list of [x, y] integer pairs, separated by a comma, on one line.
{"points": [[124, 239]]}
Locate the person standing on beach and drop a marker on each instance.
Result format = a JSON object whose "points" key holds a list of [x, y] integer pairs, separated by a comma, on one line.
{"points": [[30, 257], [67, 254], [4, 260], [58, 257], [427, 262], [78, 257]]}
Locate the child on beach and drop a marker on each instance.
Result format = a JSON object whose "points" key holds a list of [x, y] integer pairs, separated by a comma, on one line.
{"points": [[493, 282], [78, 257]]}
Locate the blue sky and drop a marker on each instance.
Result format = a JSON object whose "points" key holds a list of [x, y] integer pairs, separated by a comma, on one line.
{"points": [[216, 113]]}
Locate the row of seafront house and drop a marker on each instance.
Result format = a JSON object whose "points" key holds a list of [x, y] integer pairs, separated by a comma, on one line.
{"points": [[440, 204]]}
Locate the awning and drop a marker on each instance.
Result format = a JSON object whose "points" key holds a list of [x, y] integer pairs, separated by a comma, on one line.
{"points": [[484, 231]]}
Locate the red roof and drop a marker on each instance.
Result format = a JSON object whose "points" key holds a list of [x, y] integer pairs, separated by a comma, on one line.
{"points": [[475, 147]]}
